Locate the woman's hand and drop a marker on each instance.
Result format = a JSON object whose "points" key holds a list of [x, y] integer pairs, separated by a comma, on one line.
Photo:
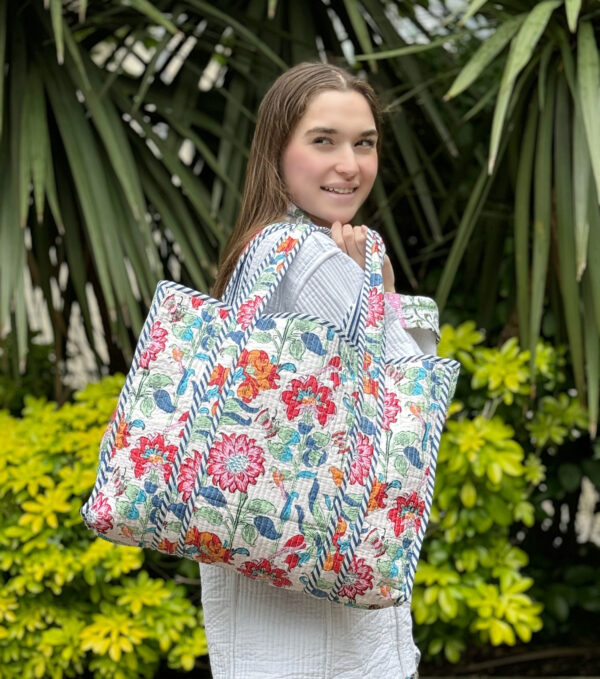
{"points": [[353, 241]]}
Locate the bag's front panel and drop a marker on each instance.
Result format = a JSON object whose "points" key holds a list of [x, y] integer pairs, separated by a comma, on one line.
{"points": [[416, 401], [139, 449], [276, 463]]}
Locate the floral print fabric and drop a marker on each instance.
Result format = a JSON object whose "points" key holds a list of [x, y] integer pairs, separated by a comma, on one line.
{"points": [[275, 446]]}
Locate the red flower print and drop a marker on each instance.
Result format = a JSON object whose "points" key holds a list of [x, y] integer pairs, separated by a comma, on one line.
{"points": [[102, 519], [261, 569], [335, 364], [259, 374], [358, 580], [188, 474], [158, 341], [153, 452], [377, 497], [408, 509], [376, 307], [218, 376], [235, 462], [166, 546], [197, 302], [287, 244], [361, 460], [308, 394], [210, 548], [247, 311], [391, 408]]}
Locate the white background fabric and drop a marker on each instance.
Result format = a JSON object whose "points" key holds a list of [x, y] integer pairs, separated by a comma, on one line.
{"points": [[256, 631]]}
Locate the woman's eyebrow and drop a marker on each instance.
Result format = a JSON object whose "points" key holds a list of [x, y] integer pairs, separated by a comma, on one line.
{"points": [[331, 130]]}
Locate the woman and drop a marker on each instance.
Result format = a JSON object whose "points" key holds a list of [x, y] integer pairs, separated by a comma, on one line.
{"points": [[315, 149]]}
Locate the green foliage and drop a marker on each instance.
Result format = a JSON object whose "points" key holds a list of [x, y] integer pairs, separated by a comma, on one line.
{"points": [[470, 583], [71, 603]]}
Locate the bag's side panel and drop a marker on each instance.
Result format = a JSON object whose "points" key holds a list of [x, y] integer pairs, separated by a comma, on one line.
{"points": [[151, 418], [274, 468], [417, 396]]}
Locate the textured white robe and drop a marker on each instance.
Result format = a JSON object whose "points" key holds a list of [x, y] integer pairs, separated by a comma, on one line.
{"points": [[255, 631]]}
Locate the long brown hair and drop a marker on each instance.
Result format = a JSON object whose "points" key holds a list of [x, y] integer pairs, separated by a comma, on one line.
{"points": [[265, 199]]}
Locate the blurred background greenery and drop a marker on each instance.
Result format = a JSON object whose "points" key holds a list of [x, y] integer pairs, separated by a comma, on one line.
{"points": [[124, 131]]}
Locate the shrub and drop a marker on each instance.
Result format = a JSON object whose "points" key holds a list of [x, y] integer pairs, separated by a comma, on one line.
{"points": [[70, 603], [471, 584]]}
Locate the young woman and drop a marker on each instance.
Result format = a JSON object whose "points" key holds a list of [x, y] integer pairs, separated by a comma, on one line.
{"points": [[315, 149]]}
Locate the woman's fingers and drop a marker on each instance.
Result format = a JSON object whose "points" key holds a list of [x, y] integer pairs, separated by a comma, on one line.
{"points": [[351, 239]]}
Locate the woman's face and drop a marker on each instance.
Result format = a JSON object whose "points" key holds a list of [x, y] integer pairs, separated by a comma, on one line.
{"points": [[330, 161]]}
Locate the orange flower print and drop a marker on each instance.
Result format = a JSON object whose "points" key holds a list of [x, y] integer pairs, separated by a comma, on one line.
{"points": [[210, 548], [259, 374], [121, 437], [376, 307], [166, 546], [287, 244], [218, 376], [378, 496]]}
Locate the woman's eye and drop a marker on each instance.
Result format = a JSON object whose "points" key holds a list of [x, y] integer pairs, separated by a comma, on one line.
{"points": [[322, 140], [367, 143]]}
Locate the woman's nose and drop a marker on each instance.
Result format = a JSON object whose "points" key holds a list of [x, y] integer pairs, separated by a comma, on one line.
{"points": [[346, 163]]}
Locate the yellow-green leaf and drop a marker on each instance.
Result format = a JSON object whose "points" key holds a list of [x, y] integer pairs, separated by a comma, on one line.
{"points": [[572, 7], [474, 7]]}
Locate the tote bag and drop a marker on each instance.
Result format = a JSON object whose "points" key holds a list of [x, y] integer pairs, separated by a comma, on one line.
{"points": [[277, 445]]}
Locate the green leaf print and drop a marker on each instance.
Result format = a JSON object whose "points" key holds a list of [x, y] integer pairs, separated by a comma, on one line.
{"points": [[147, 406], [211, 515], [258, 506], [249, 533], [297, 349], [159, 380]]}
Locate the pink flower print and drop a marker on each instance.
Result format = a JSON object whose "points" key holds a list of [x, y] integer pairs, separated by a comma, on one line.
{"points": [[358, 580], [102, 519], [407, 510], [376, 307], [308, 394], [391, 408], [261, 569], [361, 460], [158, 341], [247, 311], [235, 462], [188, 474], [152, 452]]}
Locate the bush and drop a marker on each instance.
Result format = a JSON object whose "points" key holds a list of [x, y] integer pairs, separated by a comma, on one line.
{"points": [[70, 603], [471, 584]]}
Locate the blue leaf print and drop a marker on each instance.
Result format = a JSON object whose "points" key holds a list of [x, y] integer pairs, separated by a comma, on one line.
{"points": [[266, 527], [178, 508], [375, 279], [245, 406], [237, 336], [141, 497], [183, 382], [265, 324], [286, 512], [163, 401], [239, 419], [213, 496], [206, 316], [318, 544], [156, 501], [240, 550], [300, 512], [413, 456], [201, 356], [133, 513], [304, 428], [348, 500], [327, 502], [313, 343], [205, 340], [330, 333], [429, 365], [150, 487], [313, 494], [287, 366], [306, 475], [367, 425], [138, 423], [187, 335]]}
